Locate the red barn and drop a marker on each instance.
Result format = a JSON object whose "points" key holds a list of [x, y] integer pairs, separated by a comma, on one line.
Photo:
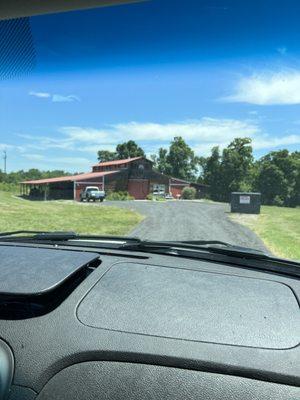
{"points": [[135, 175]]}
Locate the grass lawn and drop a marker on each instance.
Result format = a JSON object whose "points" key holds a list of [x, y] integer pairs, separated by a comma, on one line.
{"points": [[20, 214], [278, 227]]}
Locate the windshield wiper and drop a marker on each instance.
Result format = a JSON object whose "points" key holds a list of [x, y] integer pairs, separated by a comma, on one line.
{"points": [[38, 235], [213, 246], [135, 244], [48, 236]]}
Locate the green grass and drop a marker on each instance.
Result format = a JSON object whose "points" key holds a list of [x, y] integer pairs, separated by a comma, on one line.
{"points": [[278, 227], [20, 214]]}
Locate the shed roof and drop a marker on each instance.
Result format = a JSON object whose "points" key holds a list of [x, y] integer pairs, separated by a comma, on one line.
{"points": [[70, 178], [118, 162]]}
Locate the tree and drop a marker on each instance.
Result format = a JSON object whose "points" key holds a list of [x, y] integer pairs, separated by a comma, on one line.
{"points": [[279, 178], [233, 171], [161, 161], [235, 168], [182, 159], [106, 155], [178, 161], [123, 150], [272, 184], [211, 172], [129, 150]]}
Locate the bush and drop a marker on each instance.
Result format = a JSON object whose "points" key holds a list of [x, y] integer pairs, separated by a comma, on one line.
{"points": [[159, 198], [9, 187], [278, 201], [119, 196], [150, 196], [188, 193]]}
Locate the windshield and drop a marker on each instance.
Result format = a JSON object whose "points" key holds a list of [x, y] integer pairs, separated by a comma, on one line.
{"points": [[184, 113]]}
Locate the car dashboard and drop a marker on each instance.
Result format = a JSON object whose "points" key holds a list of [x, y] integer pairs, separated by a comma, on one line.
{"points": [[88, 324]]}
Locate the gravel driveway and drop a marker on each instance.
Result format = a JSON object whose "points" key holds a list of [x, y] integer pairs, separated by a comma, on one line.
{"points": [[188, 220]]}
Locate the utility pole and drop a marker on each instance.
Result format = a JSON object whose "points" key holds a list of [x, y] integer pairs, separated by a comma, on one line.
{"points": [[4, 158]]}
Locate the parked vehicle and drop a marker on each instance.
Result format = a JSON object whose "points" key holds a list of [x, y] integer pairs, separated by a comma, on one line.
{"points": [[92, 193], [169, 196], [159, 193]]}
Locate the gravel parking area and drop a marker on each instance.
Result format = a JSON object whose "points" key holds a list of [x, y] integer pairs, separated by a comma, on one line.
{"points": [[189, 220]]}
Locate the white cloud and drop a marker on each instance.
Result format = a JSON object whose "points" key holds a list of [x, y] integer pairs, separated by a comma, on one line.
{"points": [[269, 88], [58, 98], [72, 161], [268, 142], [42, 95], [205, 129], [86, 134], [94, 148], [4, 146], [55, 98], [34, 157], [202, 134]]}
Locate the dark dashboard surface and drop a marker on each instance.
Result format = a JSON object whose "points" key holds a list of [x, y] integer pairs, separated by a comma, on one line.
{"points": [[38, 270], [151, 326], [186, 304]]}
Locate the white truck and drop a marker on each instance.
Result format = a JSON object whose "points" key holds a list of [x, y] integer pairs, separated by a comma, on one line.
{"points": [[92, 193]]}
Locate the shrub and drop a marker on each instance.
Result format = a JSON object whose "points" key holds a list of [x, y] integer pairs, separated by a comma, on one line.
{"points": [[188, 193], [160, 198], [278, 201], [9, 187], [150, 196], [119, 196]]}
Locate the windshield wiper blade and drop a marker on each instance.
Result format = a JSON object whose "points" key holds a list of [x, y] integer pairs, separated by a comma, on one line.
{"points": [[53, 236], [38, 235], [212, 246]]}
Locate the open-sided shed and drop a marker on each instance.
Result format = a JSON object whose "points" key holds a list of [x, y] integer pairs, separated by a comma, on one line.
{"points": [[68, 187]]}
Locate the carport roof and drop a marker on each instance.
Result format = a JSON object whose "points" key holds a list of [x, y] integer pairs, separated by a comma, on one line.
{"points": [[70, 178]]}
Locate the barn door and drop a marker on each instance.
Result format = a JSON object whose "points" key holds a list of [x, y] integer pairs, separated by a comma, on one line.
{"points": [[138, 188]]}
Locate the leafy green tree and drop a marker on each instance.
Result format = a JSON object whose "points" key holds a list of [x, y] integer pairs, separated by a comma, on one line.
{"points": [[106, 155], [229, 172], [184, 164], [272, 184], [124, 150], [235, 169], [211, 172], [161, 162], [278, 178], [179, 161], [129, 150]]}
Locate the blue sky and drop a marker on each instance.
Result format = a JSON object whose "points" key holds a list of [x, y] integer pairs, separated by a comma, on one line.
{"points": [[208, 71]]}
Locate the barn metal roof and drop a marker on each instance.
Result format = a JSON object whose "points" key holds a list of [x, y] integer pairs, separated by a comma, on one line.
{"points": [[118, 162], [70, 178]]}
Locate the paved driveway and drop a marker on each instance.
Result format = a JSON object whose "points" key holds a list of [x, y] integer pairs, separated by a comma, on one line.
{"points": [[188, 220]]}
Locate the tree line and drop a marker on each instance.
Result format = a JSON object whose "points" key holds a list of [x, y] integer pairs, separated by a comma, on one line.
{"points": [[276, 175]]}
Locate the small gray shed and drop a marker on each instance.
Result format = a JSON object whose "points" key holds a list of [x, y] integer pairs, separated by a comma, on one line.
{"points": [[245, 202]]}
